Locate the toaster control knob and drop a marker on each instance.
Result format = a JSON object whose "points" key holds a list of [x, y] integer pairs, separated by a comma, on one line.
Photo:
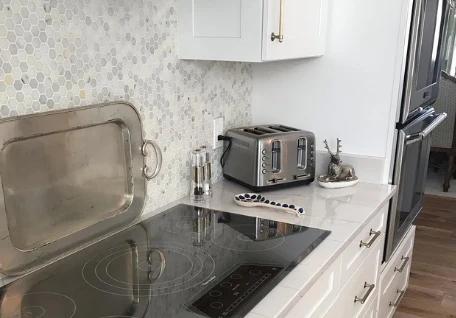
{"points": [[263, 171], [264, 151]]}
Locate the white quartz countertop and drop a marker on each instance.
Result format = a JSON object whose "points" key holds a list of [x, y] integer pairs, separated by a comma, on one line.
{"points": [[344, 212]]}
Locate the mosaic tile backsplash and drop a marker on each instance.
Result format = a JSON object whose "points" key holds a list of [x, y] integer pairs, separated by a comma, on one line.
{"points": [[58, 54]]}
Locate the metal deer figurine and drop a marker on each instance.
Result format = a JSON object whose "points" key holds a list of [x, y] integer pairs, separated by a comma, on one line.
{"points": [[336, 170]]}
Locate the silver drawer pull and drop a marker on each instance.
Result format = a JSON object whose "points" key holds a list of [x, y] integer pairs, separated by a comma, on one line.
{"points": [[369, 291], [376, 234], [400, 269], [398, 300]]}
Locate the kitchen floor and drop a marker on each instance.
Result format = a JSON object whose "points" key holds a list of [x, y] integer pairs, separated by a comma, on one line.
{"points": [[432, 289]]}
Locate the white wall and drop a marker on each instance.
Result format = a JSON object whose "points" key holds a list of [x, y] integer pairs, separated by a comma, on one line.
{"points": [[351, 92]]}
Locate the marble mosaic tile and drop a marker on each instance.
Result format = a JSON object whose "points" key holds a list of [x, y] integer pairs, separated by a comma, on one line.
{"points": [[58, 54]]}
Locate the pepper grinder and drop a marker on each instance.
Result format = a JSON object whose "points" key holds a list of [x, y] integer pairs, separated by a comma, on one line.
{"points": [[207, 183], [197, 182]]}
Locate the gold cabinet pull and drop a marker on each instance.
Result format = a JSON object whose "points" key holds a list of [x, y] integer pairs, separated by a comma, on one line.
{"points": [[369, 291], [281, 23], [400, 269], [398, 300], [376, 234]]}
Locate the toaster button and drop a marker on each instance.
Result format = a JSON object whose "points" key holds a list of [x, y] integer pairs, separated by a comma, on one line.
{"points": [[264, 165], [264, 151], [263, 171], [264, 158], [312, 146]]}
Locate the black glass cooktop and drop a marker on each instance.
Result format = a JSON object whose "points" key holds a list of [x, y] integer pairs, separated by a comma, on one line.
{"points": [[185, 262]]}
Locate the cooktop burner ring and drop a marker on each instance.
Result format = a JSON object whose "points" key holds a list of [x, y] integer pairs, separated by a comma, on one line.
{"points": [[185, 225], [245, 236], [42, 311], [116, 286], [151, 284], [27, 308]]}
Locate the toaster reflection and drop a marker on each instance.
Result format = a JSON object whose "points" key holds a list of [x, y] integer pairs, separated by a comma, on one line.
{"points": [[258, 229]]}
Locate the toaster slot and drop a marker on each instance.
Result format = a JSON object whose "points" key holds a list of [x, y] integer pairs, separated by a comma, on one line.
{"points": [[302, 153], [264, 130], [254, 131], [283, 128], [276, 156]]}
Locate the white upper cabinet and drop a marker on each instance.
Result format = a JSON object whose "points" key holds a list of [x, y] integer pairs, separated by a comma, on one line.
{"points": [[241, 30]]}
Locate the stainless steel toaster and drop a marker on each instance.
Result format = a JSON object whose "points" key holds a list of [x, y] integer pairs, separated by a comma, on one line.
{"points": [[270, 156]]}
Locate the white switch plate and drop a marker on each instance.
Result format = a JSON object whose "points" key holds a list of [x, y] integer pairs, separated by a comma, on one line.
{"points": [[218, 130]]}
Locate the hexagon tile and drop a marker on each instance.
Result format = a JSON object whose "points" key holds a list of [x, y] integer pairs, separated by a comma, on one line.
{"points": [[66, 53]]}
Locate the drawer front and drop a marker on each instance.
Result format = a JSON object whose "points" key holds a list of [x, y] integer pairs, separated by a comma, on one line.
{"points": [[316, 301], [360, 247], [395, 277], [363, 285], [398, 259], [372, 310]]}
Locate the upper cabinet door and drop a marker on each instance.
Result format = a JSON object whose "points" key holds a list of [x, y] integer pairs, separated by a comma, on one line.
{"points": [[223, 30], [240, 30], [304, 25]]}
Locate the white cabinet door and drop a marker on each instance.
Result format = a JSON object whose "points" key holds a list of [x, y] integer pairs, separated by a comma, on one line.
{"points": [[304, 28], [224, 30]]}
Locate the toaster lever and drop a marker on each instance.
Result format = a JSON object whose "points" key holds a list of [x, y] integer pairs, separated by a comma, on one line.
{"points": [[276, 156]]}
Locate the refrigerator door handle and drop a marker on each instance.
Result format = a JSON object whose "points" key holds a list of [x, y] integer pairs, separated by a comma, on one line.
{"points": [[410, 139]]}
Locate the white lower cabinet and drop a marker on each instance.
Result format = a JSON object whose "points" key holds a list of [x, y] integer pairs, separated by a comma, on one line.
{"points": [[372, 310], [360, 292], [322, 294], [355, 286], [394, 278]]}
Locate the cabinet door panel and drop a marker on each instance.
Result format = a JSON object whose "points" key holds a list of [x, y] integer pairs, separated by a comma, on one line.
{"points": [[226, 30], [304, 29]]}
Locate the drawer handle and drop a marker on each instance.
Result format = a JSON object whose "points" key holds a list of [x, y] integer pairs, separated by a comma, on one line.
{"points": [[398, 300], [405, 259], [369, 291], [376, 234], [281, 22]]}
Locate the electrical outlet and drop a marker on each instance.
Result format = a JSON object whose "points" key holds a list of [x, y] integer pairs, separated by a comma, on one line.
{"points": [[218, 130]]}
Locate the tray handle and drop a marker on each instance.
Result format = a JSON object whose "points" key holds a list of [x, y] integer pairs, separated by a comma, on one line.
{"points": [[147, 170]]}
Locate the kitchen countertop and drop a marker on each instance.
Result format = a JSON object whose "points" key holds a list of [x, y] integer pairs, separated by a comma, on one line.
{"points": [[344, 212]]}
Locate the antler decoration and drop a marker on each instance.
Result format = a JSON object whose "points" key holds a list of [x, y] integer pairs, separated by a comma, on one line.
{"points": [[327, 147], [339, 146]]}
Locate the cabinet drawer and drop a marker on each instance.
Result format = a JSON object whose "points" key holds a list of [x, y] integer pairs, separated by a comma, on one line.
{"points": [[372, 310], [357, 251], [363, 286], [394, 279], [316, 301]]}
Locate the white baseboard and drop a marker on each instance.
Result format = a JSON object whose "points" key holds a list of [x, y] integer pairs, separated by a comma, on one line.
{"points": [[368, 168]]}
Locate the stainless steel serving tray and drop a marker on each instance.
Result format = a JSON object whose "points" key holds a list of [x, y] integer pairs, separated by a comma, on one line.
{"points": [[68, 178]]}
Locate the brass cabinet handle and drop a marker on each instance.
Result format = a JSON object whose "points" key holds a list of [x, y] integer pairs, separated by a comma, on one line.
{"points": [[376, 234], [400, 269], [369, 291], [398, 300], [281, 23]]}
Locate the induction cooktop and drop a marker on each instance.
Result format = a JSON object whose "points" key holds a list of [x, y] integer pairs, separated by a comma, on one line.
{"points": [[186, 262]]}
